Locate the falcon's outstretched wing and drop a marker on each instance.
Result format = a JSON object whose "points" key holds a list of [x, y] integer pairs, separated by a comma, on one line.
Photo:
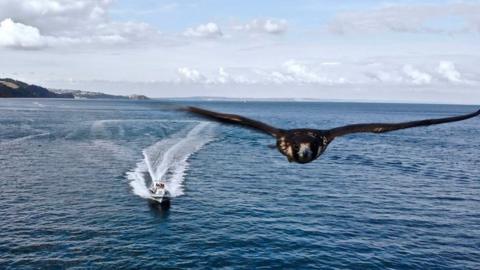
{"points": [[234, 119], [387, 127]]}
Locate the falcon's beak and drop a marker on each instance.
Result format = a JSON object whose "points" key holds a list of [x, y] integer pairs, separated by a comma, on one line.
{"points": [[305, 154]]}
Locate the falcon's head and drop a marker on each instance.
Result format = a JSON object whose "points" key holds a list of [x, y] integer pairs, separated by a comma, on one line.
{"points": [[302, 146]]}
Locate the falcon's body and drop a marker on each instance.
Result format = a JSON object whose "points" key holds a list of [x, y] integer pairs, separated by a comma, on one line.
{"points": [[305, 145], [302, 145]]}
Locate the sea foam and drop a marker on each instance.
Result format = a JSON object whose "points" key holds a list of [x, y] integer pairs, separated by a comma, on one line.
{"points": [[167, 160]]}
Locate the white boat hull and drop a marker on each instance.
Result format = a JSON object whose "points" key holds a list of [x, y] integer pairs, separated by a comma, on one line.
{"points": [[162, 197]]}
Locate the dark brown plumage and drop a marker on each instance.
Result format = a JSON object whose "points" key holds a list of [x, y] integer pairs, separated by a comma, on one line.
{"points": [[305, 145]]}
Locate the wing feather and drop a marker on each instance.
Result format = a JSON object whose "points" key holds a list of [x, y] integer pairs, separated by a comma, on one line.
{"points": [[387, 127], [234, 119]]}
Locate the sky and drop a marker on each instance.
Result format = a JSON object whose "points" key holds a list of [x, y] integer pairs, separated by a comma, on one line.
{"points": [[396, 51]]}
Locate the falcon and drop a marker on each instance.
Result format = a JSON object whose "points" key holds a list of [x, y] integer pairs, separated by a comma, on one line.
{"points": [[304, 145]]}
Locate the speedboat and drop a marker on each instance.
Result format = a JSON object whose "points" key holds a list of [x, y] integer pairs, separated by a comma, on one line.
{"points": [[160, 194]]}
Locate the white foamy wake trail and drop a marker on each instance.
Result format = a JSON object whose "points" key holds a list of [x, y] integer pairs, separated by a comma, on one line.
{"points": [[167, 160], [25, 138]]}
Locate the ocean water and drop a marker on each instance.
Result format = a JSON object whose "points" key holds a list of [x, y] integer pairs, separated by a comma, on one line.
{"points": [[74, 176]]}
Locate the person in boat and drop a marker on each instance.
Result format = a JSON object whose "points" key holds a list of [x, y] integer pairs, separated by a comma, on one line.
{"points": [[158, 188]]}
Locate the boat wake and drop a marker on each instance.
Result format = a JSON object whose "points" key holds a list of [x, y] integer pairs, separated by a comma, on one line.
{"points": [[25, 138], [167, 160]]}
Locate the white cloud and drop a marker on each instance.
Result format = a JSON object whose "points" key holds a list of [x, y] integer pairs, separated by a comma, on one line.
{"points": [[300, 72], [294, 72], [224, 77], [417, 76], [17, 35], [54, 17], [190, 75], [448, 71], [331, 63], [208, 30], [68, 22], [128, 31], [420, 18], [269, 26]]}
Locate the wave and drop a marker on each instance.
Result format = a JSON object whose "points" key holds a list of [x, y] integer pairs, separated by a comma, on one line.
{"points": [[39, 104], [118, 128], [167, 160], [25, 138]]}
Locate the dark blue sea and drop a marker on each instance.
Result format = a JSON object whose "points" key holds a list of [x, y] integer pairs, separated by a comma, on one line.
{"points": [[74, 177]]}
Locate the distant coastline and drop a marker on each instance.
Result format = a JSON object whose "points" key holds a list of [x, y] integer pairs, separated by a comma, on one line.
{"points": [[313, 100], [10, 88]]}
